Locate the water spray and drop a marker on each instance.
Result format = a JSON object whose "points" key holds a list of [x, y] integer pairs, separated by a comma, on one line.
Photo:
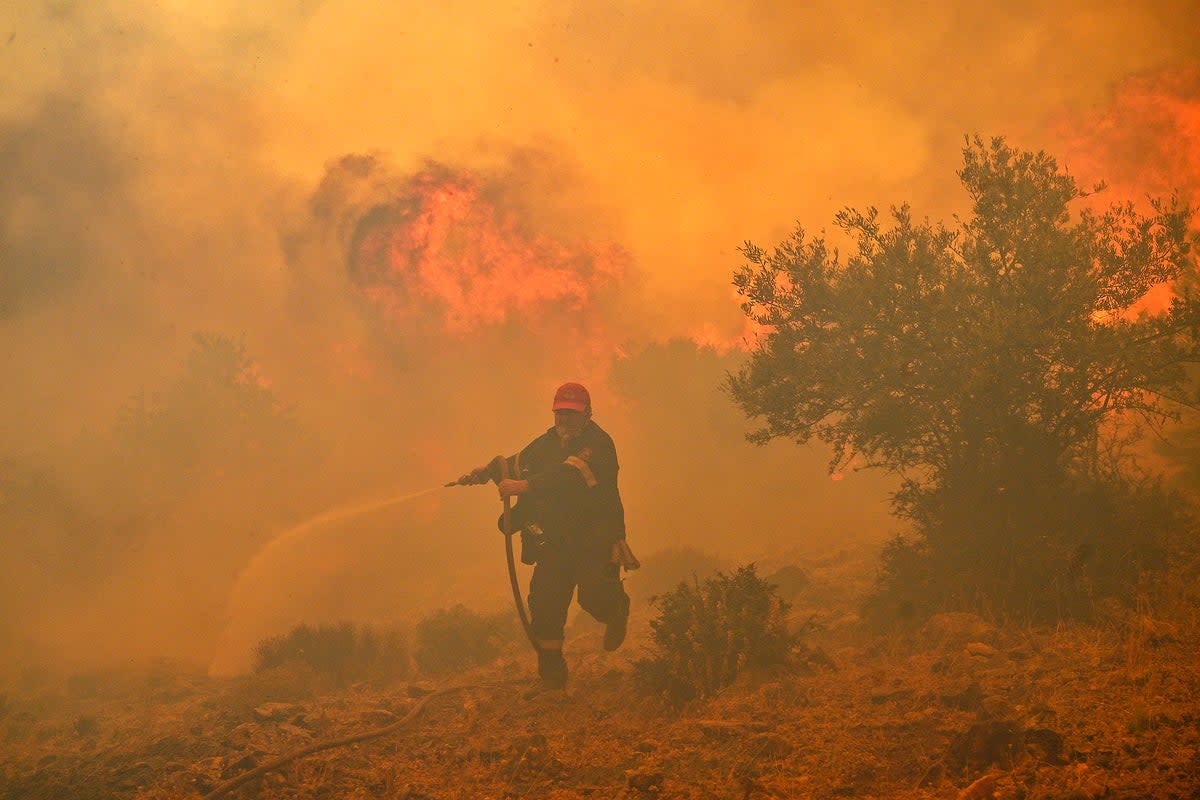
{"points": [[322, 519], [495, 471], [272, 548]]}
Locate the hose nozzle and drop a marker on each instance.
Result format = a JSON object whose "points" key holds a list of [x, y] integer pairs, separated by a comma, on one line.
{"points": [[492, 471]]}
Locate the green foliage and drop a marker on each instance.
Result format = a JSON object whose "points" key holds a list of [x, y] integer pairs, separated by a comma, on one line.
{"points": [[454, 639], [344, 652], [707, 632], [982, 364]]}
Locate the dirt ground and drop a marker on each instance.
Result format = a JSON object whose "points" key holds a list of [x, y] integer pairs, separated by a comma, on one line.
{"points": [[956, 709]]}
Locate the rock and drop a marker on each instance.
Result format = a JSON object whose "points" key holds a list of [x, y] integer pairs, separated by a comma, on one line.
{"points": [[273, 711], [981, 650]]}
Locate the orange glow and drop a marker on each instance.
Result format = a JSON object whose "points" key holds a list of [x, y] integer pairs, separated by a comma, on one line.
{"points": [[1146, 143], [1155, 301], [421, 218], [709, 336], [445, 247]]}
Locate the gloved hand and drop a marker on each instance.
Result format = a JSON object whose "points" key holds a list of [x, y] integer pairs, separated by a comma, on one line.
{"points": [[475, 477]]}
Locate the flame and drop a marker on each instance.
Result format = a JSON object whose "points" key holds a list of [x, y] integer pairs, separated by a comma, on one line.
{"points": [[446, 247], [1145, 144]]}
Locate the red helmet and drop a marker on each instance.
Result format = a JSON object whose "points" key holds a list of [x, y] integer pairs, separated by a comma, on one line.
{"points": [[573, 397]]}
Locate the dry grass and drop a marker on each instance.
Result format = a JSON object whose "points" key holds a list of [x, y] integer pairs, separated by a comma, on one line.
{"points": [[956, 709]]}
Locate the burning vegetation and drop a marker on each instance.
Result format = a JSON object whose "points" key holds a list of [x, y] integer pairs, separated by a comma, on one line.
{"points": [[1025, 378], [447, 252], [983, 366], [448, 245], [1034, 635]]}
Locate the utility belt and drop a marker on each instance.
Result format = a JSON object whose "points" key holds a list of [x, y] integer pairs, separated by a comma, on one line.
{"points": [[534, 542]]}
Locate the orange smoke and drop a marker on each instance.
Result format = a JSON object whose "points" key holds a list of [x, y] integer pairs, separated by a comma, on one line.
{"points": [[444, 247]]}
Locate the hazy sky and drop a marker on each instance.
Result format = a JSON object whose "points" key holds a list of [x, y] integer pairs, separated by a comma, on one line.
{"points": [[181, 166]]}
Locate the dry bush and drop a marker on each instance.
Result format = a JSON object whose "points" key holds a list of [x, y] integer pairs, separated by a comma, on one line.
{"points": [[1062, 549], [707, 632], [344, 652], [457, 638]]}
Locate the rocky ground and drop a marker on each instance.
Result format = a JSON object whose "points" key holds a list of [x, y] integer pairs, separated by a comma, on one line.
{"points": [[956, 709]]}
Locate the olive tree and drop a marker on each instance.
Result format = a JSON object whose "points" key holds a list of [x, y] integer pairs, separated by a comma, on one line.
{"points": [[988, 364]]}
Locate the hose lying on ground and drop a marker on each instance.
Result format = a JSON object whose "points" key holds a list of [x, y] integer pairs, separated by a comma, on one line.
{"points": [[262, 769]]}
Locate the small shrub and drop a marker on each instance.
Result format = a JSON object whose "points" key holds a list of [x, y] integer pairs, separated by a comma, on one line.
{"points": [[450, 640], [343, 651], [707, 632], [903, 592]]}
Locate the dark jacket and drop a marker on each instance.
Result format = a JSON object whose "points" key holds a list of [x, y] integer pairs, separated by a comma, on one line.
{"points": [[573, 493]]}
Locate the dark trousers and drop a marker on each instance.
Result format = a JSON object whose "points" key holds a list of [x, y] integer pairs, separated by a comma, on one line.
{"points": [[555, 578]]}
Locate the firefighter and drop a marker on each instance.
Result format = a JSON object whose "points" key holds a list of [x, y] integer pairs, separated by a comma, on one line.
{"points": [[572, 525]]}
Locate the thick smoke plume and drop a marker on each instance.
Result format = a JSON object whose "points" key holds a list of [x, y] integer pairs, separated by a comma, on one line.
{"points": [[261, 263]]}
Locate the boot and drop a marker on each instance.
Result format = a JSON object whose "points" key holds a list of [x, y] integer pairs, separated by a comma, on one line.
{"points": [[552, 668]]}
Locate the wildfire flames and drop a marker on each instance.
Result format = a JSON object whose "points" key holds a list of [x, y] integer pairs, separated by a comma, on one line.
{"points": [[445, 247], [1147, 142]]}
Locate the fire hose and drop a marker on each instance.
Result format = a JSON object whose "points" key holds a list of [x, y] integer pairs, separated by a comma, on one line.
{"points": [[228, 786], [496, 471]]}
